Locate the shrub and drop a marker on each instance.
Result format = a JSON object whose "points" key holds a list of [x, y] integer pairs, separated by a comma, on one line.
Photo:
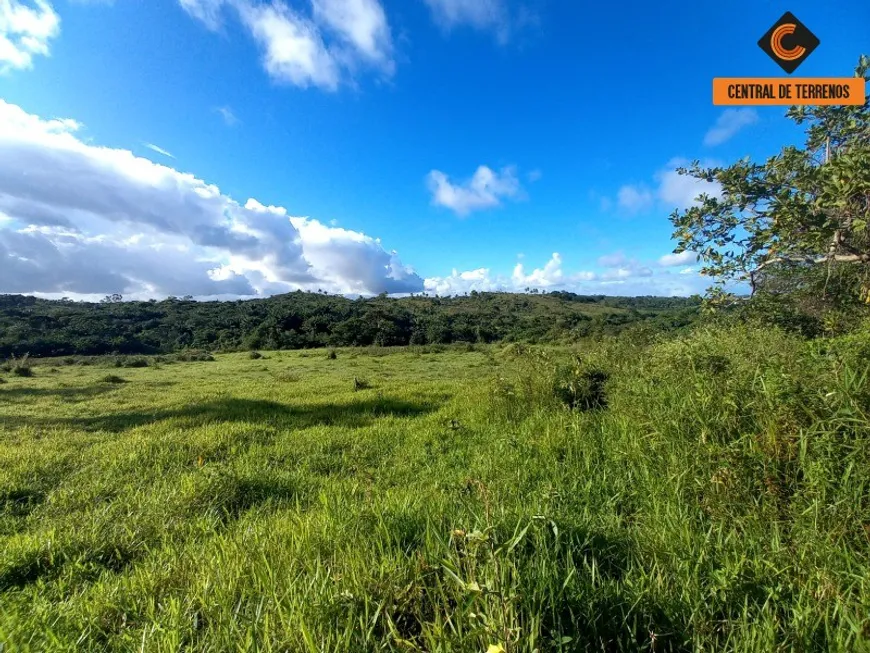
{"points": [[193, 355], [360, 384], [129, 361], [19, 366], [580, 386]]}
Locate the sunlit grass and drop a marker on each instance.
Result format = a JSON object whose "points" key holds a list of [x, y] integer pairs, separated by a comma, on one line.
{"points": [[425, 500]]}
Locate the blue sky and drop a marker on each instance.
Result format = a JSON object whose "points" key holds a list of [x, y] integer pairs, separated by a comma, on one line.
{"points": [[432, 144]]}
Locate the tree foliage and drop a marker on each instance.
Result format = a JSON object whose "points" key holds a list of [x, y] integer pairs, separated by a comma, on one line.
{"points": [[302, 320], [773, 225]]}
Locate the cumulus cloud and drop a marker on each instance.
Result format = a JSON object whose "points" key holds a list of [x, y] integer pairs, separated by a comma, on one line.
{"points": [[671, 190], [293, 46], [625, 277], [321, 49], [25, 31], [353, 261], [634, 198], [486, 189], [361, 24], [728, 124], [76, 217], [683, 258], [682, 191]]}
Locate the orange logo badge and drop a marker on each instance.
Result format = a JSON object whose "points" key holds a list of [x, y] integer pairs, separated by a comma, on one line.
{"points": [[789, 42]]}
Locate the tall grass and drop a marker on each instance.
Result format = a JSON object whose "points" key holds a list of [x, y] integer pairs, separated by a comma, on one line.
{"points": [[704, 493]]}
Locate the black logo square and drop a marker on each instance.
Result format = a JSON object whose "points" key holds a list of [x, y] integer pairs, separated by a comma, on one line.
{"points": [[789, 42]]}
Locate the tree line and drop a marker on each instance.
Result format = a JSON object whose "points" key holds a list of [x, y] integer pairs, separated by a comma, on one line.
{"points": [[41, 327]]}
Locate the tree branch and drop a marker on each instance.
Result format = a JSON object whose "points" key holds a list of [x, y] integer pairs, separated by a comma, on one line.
{"points": [[814, 260]]}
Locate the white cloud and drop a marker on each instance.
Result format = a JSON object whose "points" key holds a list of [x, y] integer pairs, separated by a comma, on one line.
{"points": [[483, 15], [683, 258], [549, 275], [229, 117], [209, 12], [671, 190], [360, 23], [322, 49], [629, 279], [25, 31], [80, 218], [294, 50], [728, 124], [353, 261], [159, 150], [682, 191], [634, 198], [612, 260], [486, 189]]}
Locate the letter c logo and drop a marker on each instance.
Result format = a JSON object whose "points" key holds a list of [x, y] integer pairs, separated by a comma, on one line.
{"points": [[776, 43]]}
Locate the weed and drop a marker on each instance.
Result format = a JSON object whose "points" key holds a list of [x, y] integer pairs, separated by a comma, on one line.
{"points": [[360, 384], [19, 366]]}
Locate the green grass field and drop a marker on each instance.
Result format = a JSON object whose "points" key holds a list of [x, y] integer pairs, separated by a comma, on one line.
{"points": [[716, 498]]}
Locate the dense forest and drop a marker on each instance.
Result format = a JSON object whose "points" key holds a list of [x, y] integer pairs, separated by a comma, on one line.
{"points": [[298, 320]]}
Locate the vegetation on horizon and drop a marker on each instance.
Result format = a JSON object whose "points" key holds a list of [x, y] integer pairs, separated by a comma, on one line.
{"points": [[41, 327]]}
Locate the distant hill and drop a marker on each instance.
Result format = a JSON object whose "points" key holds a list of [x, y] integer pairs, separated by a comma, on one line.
{"points": [[303, 320]]}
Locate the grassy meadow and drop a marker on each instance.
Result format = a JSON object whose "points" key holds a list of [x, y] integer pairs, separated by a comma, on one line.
{"points": [[708, 492]]}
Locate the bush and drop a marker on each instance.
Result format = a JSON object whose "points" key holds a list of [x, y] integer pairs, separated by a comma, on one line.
{"points": [[19, 366], [129, 361], [580, 386], [360, 384], [192, 356]]}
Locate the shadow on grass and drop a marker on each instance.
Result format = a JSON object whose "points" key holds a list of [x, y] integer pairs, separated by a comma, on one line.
{"points": [[20, 502], [355, 414], [87, 562], [592, 609], [66, 394]]}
